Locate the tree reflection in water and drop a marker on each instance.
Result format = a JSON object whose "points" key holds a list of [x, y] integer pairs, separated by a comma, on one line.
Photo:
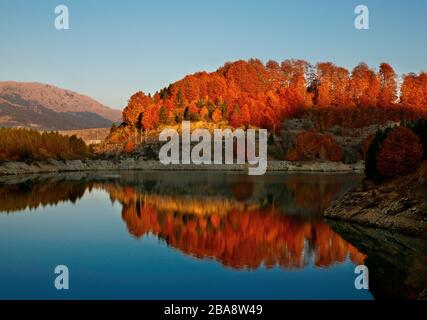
{"points": [[239, 235], [239, 221]]}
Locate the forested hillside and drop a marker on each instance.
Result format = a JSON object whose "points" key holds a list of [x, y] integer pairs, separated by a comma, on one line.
{"points": [[334, 104], [250, 93]]}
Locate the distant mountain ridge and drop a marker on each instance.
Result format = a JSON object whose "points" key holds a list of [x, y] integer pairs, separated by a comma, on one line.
{"points": [[43, 106]]}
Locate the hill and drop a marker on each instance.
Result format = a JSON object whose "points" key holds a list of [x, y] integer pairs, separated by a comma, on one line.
{"points": [[263, 95], [42, 106], [331, 102]]}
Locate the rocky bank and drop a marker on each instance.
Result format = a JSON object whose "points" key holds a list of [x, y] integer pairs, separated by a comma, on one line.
{"points": [[15, 168], [399, 205]]}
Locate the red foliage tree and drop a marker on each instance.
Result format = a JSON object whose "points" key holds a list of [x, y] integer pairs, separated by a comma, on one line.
{"points": [[414, 91], [150, 118], [388, 93], [365, 86], [332, 150], [308, 145], [136, 106], [399, 154]]}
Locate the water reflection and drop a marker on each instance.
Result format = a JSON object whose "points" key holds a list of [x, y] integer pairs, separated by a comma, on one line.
{"points": [[39, 193], [239, 221], [243, 223], [236, 234]]}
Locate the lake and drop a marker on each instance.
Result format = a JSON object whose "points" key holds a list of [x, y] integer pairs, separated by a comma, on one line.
{"points": [[194, 235]]}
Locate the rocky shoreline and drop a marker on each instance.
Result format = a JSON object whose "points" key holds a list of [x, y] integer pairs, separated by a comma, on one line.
{"points": [[396, 262], [399, 205], [16, 168]]}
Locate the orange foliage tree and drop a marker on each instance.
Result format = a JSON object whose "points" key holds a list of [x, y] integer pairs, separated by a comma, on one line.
{"points": [[388, 81], [136, 106], [399, 154]]}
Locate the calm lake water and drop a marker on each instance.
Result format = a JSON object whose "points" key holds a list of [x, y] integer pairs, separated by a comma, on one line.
{"points": [[194, 235]]}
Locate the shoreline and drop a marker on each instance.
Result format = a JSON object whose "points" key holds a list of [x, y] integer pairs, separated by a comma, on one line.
{"points": [[399, 205], [53, 166]]}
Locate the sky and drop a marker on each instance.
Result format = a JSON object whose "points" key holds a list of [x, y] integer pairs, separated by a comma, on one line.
{"points": [[116, 48]]}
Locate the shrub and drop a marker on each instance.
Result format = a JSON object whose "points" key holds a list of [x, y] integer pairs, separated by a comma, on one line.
{"points": [[292, 155], [399, 154], [332, 151], [308, 144]]}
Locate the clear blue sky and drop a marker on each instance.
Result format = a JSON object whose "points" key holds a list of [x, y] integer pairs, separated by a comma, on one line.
{"points": [[115, 48]]}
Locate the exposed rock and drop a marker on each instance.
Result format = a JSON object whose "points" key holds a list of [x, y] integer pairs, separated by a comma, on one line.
{"points": [[396, 262], [14, 168], [399, 205]]}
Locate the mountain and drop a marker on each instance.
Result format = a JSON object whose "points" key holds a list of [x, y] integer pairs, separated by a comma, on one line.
{"points": [[42, 106]]}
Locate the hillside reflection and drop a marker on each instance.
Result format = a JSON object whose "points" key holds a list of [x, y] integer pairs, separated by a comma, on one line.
{"points": [[243, 224], [236, 221], [238, 238]]}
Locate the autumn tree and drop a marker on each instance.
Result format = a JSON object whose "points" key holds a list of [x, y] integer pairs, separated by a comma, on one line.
{"points": [[388, 86], [308, 145], [365, 86], [295, 79], [150, 118], [31, 145], [136, 106], [399, 154], [414, 91], [423, 87], [323, 85]]}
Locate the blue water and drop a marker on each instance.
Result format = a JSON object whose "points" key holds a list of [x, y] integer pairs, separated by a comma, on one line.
{"points": [[106, 261]]}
